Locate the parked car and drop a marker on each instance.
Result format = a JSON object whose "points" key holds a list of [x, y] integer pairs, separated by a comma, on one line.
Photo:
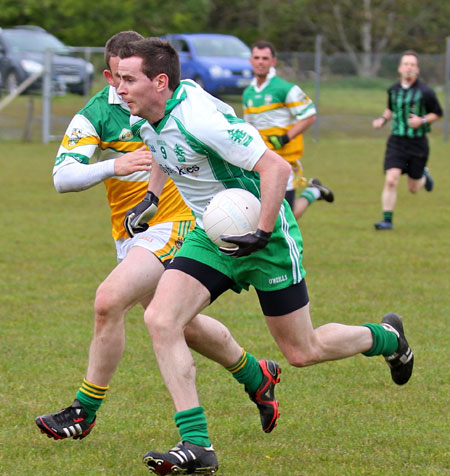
{"points": [[22, 53], [220, 63]]}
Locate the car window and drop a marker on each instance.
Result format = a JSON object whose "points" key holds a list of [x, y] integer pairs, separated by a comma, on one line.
{"points": [[36, 42], [227, 47]]}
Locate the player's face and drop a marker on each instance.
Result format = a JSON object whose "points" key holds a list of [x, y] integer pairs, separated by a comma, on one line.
{"points": [[408, 68], [142, 94], [261, 61]]}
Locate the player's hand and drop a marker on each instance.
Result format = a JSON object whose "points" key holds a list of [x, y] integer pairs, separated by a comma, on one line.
{"points": [[136, 161], [246, 244], [279, 141], [415, 121], [136, 219], [378, 123]]}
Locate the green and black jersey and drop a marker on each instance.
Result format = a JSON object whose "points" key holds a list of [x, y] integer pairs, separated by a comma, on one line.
{"points": [[418, 99]]}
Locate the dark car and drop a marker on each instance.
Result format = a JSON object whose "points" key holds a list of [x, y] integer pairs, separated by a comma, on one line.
{"points": [[219, 63], [22, 53]]}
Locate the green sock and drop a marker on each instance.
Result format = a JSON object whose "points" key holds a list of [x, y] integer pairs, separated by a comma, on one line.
{"points": [[91, 397], [311, 194], [387, 216], [193, 426], [384, 342], [247, 371]]}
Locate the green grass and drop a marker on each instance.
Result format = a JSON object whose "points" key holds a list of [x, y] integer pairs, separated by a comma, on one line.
{"points": [[342, 418]]}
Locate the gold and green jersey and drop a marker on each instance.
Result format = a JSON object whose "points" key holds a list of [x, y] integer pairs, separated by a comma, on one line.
{"points": [[274, 107], [101, 131]]}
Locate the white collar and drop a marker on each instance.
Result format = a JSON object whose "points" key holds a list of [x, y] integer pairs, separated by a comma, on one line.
{"points": [[272, 73], [114, 98]]}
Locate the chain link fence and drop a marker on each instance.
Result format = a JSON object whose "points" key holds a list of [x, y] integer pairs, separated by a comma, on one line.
{"points": [[44, 117]]}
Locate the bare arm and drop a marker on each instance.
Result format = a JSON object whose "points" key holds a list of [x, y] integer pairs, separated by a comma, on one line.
{"points": [[274, 173], [416, 121], [381, 121], [300, 127], [157, 179]]}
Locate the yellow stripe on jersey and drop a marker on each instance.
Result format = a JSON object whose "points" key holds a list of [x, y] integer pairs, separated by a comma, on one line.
{"points": [[121, 146], [264, 108], [89, 140]]}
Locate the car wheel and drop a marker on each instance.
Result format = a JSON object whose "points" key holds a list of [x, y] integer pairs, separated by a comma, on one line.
{"points": [[11, 82]]}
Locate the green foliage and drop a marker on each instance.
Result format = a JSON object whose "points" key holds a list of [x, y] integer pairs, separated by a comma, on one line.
{"points": [[290, 24], [339, 418]]}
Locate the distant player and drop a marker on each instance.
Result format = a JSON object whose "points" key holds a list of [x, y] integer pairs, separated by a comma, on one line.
{"points": [[413, 106], [281, 111]]}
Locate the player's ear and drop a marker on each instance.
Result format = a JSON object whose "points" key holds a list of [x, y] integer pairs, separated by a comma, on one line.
{"points": [[108, 76], [161, 81]]}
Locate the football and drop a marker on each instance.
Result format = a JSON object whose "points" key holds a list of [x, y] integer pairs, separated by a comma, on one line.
{"points": [[233, 212]]}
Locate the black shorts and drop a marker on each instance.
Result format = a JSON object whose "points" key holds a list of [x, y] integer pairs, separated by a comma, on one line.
{"points": [[409, 155], [273, 303]]}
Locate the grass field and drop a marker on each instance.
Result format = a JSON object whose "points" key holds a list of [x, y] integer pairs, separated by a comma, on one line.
{"points": [[344, 418]]}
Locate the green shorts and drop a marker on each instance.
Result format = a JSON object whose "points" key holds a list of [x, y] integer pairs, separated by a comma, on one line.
{"points": [[275, 267]]}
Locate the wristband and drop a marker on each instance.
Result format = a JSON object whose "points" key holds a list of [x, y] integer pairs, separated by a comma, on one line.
{"points": [[424, 120]]}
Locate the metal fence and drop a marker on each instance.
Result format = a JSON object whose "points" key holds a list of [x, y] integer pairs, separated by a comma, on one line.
{"points": [[44, 117]]}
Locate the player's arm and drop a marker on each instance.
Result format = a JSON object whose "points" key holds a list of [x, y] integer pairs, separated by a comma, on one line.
{"points": [[301, 108], [274, 173], [381, 121], [137, 218]]}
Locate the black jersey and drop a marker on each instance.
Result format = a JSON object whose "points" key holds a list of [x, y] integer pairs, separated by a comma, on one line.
{"points": [[418, 99]]}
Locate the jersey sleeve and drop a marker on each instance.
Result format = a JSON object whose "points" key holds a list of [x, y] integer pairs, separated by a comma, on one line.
{"points": [[232, 139], [79, 143], [299, 103], [432, 103]]}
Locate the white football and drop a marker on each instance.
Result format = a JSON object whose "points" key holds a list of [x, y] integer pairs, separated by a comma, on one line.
{"points": [[233, 211]]}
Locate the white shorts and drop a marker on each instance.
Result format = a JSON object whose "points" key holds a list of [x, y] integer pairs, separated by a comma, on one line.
{"points": [[163, 240]]}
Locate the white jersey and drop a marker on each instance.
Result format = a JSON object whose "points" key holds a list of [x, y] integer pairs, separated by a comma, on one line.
{"points": [[202, 147]]}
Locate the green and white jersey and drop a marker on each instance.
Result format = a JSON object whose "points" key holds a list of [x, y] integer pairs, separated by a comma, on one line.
{"points": [[202, 149], [274, 107]]}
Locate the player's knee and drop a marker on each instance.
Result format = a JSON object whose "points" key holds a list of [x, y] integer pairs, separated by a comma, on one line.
{"points": [[106, 301], [301, 358]]}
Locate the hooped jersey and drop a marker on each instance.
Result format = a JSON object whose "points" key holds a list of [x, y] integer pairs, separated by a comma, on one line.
{"points": [[201, 148], [101, 131], [274, 107]]}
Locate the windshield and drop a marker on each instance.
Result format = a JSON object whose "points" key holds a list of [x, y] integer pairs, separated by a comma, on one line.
{"points": [[223, 47], [34, 41]]}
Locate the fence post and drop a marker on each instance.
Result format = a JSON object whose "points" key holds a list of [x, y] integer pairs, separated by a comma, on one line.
{"points": [[317, 69], [47, 97], [447, 89]]}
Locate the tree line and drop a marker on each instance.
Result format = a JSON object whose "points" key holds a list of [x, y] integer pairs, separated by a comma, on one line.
{"points": [[370, 27]]}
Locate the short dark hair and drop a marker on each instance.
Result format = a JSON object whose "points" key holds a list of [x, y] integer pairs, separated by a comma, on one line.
{"points": [[118, 41], [261, 44], [158, 56], [410, 53]]}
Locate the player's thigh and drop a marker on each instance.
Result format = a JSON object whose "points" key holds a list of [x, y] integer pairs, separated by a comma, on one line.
{"points": [[134, 279], [293, 332], [179, 297]]}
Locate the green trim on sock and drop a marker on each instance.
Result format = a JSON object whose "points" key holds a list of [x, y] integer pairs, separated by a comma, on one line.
{"points": [[384, 342], [308, 193], [247, 371], [193, 426]]}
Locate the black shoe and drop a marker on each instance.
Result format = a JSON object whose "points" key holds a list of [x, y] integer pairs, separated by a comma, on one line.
{"points": [[185, 458], [402, 361], [69, 422], [264, 397], [429, 182], [383, 225], [325, 192]]}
